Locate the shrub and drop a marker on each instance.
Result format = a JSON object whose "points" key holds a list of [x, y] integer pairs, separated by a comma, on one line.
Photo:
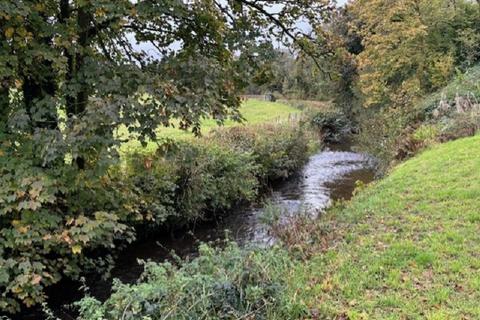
{"points": [[302, 234], [279, 149], [332, 124], [181, 184], [460, 126], [464, 85], [426, 133], [211, 179], [51, 224], [219, 284], [381, 132], [149, 185], [451, 113]]}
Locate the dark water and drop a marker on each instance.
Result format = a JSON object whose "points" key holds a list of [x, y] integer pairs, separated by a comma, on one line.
{"points": [[328, 176]]}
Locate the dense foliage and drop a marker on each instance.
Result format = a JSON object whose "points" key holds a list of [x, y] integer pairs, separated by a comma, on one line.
{"points": [[219, 284], [391, 54], [450, 113], [412, 47], [333, 125], [291, 76], [279, 150]]}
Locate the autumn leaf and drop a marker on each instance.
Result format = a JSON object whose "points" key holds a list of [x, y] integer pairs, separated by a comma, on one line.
{"points": [[47, 237], [36, 279], [23, 229], [76, 249], [9, 32], [65, 237]]}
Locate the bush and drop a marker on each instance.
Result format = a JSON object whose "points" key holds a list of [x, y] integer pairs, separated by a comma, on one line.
{"points": [[149, 185], [300, 233], [211, 179], [332, 124], [460, 126], [186, 182], [381, 131], [451, 113], [426, 133], [219, 284], [464, 85], [279, 150], [55, 222]]}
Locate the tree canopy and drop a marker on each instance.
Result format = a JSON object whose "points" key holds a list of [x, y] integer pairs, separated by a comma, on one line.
{"points": [[412, 47], [71, 70]]}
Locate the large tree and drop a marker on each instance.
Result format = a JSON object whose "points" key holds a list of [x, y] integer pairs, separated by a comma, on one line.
{"points": [[411, 47], [76, 65]]}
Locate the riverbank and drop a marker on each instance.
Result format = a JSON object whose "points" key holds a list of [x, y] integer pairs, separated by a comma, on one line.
{"points": [[329, 175], [405, 247]]}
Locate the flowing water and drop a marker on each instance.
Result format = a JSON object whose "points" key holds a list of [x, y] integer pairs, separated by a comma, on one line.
{"points": [[328, 176]]}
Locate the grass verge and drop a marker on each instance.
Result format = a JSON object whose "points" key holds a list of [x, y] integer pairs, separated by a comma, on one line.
{"points": [[408, 247]]}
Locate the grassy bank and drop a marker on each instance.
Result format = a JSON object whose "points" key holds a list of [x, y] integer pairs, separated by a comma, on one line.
{"points": [[408, 247]]}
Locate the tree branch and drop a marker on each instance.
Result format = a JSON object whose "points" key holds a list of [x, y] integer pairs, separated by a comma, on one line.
{"points": [[287, 31]]}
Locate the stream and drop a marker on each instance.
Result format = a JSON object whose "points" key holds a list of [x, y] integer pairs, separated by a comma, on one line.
{"points": [[328, 176]]}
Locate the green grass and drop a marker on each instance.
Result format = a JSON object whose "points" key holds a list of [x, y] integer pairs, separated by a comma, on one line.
{"points": [[407, 247], [253, 111]]}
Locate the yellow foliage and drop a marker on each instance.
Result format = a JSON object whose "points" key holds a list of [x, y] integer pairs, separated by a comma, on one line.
{"points": [[76, 249], [9, 32], [403, 57]]}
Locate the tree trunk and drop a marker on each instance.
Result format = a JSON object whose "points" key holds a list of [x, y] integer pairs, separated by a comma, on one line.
{"points": [[40, 84], [76, 104], [34, 91], [83, 27], [70, 99], [4, 107]]}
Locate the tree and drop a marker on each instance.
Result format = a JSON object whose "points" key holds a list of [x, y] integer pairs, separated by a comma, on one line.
{"points": [[74, 71], [410, 46], [293, 75]]}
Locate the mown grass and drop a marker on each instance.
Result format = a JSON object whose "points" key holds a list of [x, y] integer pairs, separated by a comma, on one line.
{"points": [[407, 247], [253, 111]]}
